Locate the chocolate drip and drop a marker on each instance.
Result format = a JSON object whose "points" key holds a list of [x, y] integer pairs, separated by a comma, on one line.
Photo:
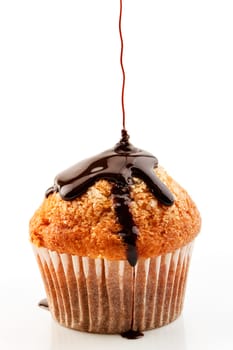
{"points": [[129, 231], [132, 334], [118, 165], [44, 304]]}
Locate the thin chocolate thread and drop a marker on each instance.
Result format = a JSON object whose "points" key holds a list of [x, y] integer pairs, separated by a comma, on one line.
{"points": [[132, 334], [122, 68], [124, 137]]}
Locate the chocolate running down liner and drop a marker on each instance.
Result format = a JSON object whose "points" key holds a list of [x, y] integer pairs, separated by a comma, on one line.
{"points": [[119, 166]]}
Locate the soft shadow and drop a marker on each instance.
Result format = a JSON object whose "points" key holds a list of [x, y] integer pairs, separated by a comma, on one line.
{"points": [[167, 338]]}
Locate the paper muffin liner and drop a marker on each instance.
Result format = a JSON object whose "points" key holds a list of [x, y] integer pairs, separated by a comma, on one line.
{"points": [[104, 296]]}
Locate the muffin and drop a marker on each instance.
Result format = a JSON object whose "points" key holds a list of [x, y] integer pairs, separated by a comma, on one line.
{"points": [[113, 240]]}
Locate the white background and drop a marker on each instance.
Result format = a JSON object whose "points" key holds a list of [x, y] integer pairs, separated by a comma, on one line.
{"points": [[60, 90]]}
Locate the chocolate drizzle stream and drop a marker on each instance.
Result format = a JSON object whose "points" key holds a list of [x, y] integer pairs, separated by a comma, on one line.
{"points": [[119, 166], [129, 232]]}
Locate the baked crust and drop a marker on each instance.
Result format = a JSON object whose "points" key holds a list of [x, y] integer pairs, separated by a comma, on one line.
{"points": [[88, 226]]}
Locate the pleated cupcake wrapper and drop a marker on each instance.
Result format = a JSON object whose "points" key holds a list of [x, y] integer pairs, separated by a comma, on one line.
{"points": [[104, 296]]}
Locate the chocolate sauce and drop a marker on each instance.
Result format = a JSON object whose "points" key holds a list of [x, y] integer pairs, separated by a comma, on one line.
{"points": [[132, 334], [118, 165], [44, 304], [129, 232]]}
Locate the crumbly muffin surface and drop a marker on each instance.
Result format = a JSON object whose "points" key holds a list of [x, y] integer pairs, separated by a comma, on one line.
{"points": [[88, 226]]}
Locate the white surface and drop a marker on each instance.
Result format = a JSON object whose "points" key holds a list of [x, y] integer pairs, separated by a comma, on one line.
{"points": [[60, 84]]}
